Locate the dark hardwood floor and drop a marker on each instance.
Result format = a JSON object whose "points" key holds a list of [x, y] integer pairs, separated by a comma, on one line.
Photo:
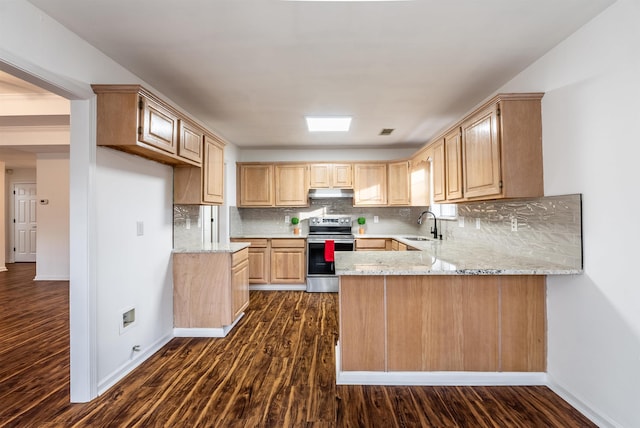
{"points": [[275, 369]]}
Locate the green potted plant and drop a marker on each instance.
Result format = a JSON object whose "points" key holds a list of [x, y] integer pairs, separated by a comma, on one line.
{"points": [[361, 222], [295, 221]]}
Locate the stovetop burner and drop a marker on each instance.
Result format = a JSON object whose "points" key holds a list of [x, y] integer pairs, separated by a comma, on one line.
{"points": [[330, 226]]}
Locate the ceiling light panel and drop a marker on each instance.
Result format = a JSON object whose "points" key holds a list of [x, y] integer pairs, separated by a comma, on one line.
{"points": [[328, 123]]}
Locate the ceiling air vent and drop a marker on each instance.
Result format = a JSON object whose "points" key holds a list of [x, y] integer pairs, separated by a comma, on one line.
{"points": [[386, 131]]}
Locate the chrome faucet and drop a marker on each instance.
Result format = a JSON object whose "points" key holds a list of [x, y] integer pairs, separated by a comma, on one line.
{"points": [[434, 229]]}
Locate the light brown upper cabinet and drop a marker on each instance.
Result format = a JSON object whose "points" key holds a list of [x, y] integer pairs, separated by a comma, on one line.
{"points": [[132, 119], [502, 149], [292, 185], [399, 191], [268, 185], [453, 162], [328, 175], [420, 182], [438, 169], [255, 185], [193, 185], [213, 171], [190, 141], [370, 184]]}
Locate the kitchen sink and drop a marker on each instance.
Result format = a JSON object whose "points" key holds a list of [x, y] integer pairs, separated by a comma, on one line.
{"points": [[417, 238]]}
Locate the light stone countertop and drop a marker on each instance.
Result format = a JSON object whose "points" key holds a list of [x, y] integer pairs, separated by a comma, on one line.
{"points": [[443, 258], [270, 236], [214, 248]]}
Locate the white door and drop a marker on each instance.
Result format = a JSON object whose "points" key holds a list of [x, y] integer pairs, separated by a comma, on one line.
{"points": [[25, 222]]}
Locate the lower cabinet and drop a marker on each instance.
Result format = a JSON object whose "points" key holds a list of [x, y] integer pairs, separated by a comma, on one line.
{"points": [[210, 290], [373, 244], [443, 323], [276, 261], [288, 261]]}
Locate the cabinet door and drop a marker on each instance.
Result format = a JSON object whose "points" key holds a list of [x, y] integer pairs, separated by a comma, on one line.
{"points": [[255, 187], [370, 185], [481, 154], [399, 191], [320, 175], [288, 261], [213, 171], [159, 126], [292, 185], [420, 178], [190, 141], [239, 287], [259, 265], [342, 176], [438, 171], [453, 157]]}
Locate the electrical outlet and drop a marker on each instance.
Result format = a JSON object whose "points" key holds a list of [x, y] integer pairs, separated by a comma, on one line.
{"points": [[477, 223], [287, 219], [514, 224], [375, 219], [460, 221]]}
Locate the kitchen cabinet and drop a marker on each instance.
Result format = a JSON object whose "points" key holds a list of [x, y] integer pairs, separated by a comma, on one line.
{"points": [[204, 185], [398, 190], [211, 289], [438, 169], [370, 184], [502, 148], [255, 185], [268, 185], [328, 175], [453, 165], [291, 185], [443, 323], [259, 260], [190, 141], [373, 244], [132, 119], [420, 181], [398, 246], [288, 261]]}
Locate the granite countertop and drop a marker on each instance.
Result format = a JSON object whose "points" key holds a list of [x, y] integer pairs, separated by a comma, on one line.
{"points": [[270, 236], [214, 248], [443, 258]]}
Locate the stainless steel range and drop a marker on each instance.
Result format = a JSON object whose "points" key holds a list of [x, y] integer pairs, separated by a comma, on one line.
{"points": [[321, 273]]}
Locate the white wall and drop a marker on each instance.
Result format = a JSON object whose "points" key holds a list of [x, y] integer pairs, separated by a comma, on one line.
{"points": [[590, 116], [333, 154], [52, 246], [32, 44], [133, 271]]}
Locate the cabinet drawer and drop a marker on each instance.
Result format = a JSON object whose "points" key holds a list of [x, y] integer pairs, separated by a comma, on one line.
{"points": [[287, 243], [371, 244], [239, 256]]}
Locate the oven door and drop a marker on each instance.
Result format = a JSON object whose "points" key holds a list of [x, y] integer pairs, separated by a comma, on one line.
{"points": [[316, 265]]}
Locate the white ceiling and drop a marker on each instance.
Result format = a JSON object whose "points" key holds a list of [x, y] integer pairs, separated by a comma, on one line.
{"points": [[251, 69]]}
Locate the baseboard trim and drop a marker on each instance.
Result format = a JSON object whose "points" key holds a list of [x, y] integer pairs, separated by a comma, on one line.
{"points": [[278, 287], [137, 358], [206, 332], [436, 378], [588, 411], [50, 278]]}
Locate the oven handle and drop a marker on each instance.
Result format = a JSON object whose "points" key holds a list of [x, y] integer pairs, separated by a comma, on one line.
{"points": [[337, 241]]}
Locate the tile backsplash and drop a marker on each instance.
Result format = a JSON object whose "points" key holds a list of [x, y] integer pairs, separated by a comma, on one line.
{"points": [[548, 228]]}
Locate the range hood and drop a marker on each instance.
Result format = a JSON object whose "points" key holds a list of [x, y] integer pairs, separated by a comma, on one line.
{"points": [[330, 193]]}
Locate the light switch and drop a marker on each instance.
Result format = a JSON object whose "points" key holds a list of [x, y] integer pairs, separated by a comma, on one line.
{"points": [[139, 228]]}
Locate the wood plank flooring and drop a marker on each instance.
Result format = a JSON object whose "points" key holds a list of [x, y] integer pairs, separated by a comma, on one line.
{"points": [[275, 369]]}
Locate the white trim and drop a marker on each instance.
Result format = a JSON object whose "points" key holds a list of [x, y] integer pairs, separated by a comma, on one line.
{"points": [[588, 411], [278, 287], [137, 358], [436, 378], [50, 278], [206, 332]]}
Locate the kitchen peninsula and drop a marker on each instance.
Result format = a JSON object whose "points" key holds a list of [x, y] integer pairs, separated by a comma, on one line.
{"points": [[448, 314]]}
